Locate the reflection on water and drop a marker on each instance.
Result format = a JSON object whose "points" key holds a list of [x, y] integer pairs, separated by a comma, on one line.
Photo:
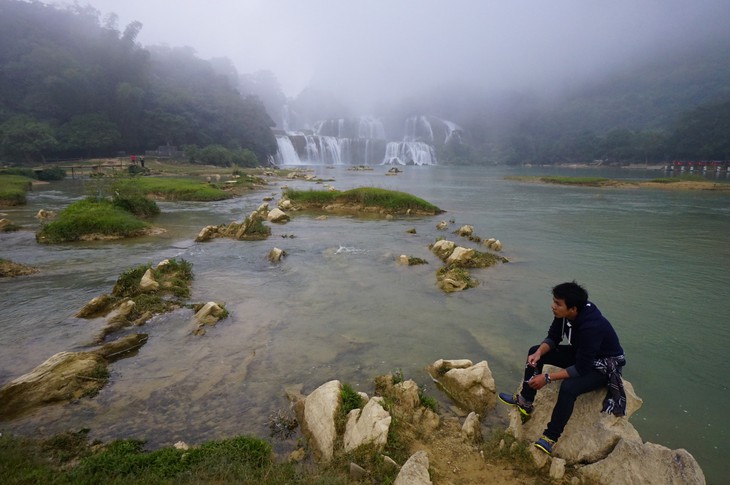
{"points": [[656, 262]]}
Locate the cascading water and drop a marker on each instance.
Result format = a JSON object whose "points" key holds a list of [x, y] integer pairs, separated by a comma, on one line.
{"points": [[418, 128], [409, 153], [362, 141], [357, 128], [286, 155]]}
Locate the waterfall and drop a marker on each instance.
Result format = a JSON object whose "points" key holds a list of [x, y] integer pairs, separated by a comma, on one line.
{"points": [[409, 153], [454, 130], [356, 128], [286, 155], [418, 128], [362, 141]]}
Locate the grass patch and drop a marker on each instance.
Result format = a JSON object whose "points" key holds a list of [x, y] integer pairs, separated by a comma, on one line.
{"points": [[558, 180], [350, 399], [427, 401], [369, 197], [681, 178], [88, 217], [13, 189], [172, 189], [588, 181], [137, 204], [174, 278], [70, 459]]}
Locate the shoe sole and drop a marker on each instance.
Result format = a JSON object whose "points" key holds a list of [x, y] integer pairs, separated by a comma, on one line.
{"points": [[542, 448], [522, 410]]}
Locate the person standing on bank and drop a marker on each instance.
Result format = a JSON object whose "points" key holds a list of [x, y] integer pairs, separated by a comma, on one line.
{"points": [[592, 359]]}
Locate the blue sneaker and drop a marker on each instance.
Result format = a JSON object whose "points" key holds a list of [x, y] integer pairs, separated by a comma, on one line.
{"points": [[545, 444], [516, 400]]}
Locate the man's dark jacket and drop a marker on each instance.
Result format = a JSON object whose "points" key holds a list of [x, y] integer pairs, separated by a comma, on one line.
{"points": [[591, 336]]}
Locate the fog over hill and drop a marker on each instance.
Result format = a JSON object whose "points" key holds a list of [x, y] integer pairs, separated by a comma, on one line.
{"points": [[471, 82], [369, 53]]}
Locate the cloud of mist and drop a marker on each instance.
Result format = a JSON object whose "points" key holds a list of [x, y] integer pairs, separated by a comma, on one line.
{"points": [[385, 49]]}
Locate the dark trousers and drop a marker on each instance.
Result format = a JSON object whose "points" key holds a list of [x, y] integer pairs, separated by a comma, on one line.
{"points": [[563, 356]]}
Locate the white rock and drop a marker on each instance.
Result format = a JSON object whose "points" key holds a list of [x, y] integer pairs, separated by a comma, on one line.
{"points": [[460, 255], [369, 425], [320, 410], [277, 215], [414, 471], [645, 463], [148, 283]]}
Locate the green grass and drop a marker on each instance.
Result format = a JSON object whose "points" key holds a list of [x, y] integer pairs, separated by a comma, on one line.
{"points": [[428, 401], [350, 399], [172, 189], [90, 216], [70, 459], [591, 181], [558, 180], [174, 278], [390, 200], [13, 189], [681, 178]]}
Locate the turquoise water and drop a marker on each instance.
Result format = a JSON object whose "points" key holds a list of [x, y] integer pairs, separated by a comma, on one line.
{"points": [[656, 262]]}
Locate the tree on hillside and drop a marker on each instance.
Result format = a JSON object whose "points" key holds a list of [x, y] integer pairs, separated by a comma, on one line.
{"points": [[102, 92], [89, 135], [24, 139], [703, 133]]}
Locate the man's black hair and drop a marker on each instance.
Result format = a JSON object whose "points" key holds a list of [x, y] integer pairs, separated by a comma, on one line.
{"points": [[573, 294]]}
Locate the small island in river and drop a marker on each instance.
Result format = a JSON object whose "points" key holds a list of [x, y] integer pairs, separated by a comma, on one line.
{"points": [[681, 183]]}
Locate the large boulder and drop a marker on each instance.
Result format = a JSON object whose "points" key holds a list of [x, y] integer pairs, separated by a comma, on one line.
{"points": [[465, 230], [276, 254], [589, 435], [318, 424], [99, 305], [148, 282], [452, 279], [460, 256], [471, 386], [64, 376], [443, 248], [207, 315], [207, 233], [368, 425], [414, 471], [121, 311], [647, 463], [277, 215]]}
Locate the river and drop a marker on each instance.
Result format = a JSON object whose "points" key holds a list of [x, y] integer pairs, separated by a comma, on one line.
{"points": [[656, 262]]}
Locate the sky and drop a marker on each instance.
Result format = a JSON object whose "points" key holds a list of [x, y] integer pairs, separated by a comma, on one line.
{"points": [[379, 48]]}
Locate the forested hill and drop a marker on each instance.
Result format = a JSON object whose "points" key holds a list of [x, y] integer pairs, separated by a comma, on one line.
{"points": [[672, 105], [71, 86]]}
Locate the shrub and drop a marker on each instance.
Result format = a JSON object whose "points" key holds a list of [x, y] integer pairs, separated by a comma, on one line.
{"points": [[90, 216], [13, 189], [350, 399], [54, 173], [138, 205]]}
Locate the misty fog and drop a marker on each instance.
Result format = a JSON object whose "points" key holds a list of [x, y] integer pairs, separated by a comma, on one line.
{"points": [[381, 51]]}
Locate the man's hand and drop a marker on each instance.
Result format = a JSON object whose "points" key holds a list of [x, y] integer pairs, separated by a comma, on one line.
{"points": [[537, 382], [533, 359]]}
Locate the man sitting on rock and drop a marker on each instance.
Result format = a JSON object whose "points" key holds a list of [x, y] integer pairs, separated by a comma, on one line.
{"points": [[592, 359]]}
